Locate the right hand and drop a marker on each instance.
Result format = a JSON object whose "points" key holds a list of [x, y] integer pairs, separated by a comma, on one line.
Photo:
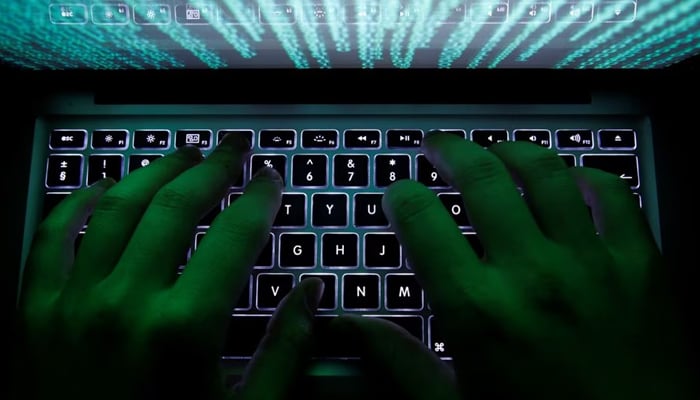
{"points": [[562, 305]]}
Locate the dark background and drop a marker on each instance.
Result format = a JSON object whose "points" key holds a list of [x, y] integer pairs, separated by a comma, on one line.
{"points": [[669, 95]]}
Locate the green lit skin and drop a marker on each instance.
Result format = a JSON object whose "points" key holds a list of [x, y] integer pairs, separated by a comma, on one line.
{"points": [[663, 32], [553, 310], [115, 322]]}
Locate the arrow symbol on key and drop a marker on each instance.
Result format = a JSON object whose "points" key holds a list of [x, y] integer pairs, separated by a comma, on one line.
{"points": [[624, 176]]}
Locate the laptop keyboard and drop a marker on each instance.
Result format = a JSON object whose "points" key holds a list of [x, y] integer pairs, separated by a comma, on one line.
{"points": [[331, 224]]}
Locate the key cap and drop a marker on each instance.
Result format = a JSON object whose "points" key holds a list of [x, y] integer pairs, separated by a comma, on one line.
{"points": [[569, 159], [382, 250], [271, 289], [361, 291], [193, 137], [428, 174], [152, 139], [64, 171], [244, 335], [617, 139], [437, 340], [404, 138], [209, 217], [326, 344], [362, 138], [137, 161], [455, 206], [328, 298], [278, 162], [487, 137], [247, 133], [244, 302], [623, 165], [292, 212], [309, 170], [475, 243], [110, 139], [391, 168], [368, 210], [319, 138], [297, 250], [541, 137], [65, 139], [460, 133], [329, 210], [104, 166], [339, 250], [402, 292], [351, 170], [277, 138], [579, 139], [266, 255]]}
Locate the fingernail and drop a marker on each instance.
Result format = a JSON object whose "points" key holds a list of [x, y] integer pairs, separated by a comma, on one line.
{"points": [[313, 291], [104, 184], [191, 152], [235, 142], [269, 173]]}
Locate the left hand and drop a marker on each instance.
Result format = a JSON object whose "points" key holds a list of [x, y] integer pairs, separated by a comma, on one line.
{"points": [[114, 321]]}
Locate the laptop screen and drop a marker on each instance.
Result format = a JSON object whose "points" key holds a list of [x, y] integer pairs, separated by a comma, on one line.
{"points": [[176, 34]]}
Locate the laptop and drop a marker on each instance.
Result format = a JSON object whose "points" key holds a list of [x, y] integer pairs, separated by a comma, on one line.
{"points": [[337, 96]]}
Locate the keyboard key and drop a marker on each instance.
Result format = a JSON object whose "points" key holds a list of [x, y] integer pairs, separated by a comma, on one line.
{"points": [[310, 170], [103, 166], [64, 171], [137, 161], [412, 324], [244, 335], [319, 139], [351, 170], [623, 165], [460, 133], [368, 210], [436, 339], [339, 250], [152, 139], [617, 139], [67, 139], [578, 139], [427, 174], [245, 132], [193, 137], [329, 210], [209, 217], [326, 344], [266, 255], [382, 250], [271, 289], [51, 200], [244, 300], [292, 212], [278, 162], [540, 137], [232, 197], [389, 168], [277, 138], [404, 138], [402, 292], [110, 139], [297, 250], [328, 298], [361, 292], [362, 138], [487, 137], [475, 243], [569, 159], [639, 197], [455, 206]]}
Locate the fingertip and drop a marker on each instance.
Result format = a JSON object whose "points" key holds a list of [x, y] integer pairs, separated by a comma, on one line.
{"points": [[313, 290]]}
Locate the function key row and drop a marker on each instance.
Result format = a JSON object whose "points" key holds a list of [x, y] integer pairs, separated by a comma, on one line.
{"points": [[286, 139]]}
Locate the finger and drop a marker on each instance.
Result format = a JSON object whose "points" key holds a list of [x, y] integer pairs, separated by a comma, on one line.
{"points": [[222, 263], [442, 259], [616, 213], [498, 213], [166, 229], [53, 249], [400, 357], [283, 352], [551, 192], [119, 211]]}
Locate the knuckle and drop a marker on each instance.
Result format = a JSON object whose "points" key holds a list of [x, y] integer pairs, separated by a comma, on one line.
{"points": [[243, 226], [170, 197], [407, 200], [479, 169], [116, 202]]}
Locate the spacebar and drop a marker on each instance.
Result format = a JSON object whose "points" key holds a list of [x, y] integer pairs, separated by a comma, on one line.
{"points": [[244, 335]]}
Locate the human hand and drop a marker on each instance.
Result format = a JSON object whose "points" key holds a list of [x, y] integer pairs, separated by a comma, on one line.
{"points": [[114, 321], [553, 310]]}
